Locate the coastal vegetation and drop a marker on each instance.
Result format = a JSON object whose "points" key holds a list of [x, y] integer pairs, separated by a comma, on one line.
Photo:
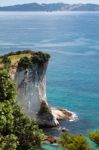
{"points": [[78, 141], [73, 142], [25, 59], [94, 136], [36, 58], [17, 131], [24, 63], [7, 62]]}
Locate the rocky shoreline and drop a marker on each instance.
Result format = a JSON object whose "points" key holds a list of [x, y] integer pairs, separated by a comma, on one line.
{"points": [[28, 70], [63, 114], [51, 118]]}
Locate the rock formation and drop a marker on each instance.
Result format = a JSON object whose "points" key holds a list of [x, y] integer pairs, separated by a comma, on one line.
{"points": [[30, 77], [29, 72]]}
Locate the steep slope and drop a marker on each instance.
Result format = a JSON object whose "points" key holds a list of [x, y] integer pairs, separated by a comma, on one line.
{"points": [[28, 69]]}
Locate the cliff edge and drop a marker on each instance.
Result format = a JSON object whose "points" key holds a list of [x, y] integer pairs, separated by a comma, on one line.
{"points": [[28, 69]]}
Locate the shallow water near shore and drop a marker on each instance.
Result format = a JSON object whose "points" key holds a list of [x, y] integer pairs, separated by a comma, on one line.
{"points": [[51, 147], [72, 39]]}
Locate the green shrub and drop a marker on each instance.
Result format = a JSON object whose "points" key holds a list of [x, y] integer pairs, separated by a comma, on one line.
{"points": [[27, 131], [37, 58], [94, 136], [6, 61], [73, 142], [24, 63], [9, 142], [40, 58], [7, 88], [17, 131], [18, 53]]}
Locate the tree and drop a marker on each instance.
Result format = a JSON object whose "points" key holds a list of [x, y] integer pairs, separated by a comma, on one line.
{"points": [[7, 88], [7, 100], [17, 131], [8, 142], [27, 131], [73, 142]]}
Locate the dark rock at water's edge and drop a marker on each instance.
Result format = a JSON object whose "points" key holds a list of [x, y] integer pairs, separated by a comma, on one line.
{"points": [[50, 140], [46, 117]]}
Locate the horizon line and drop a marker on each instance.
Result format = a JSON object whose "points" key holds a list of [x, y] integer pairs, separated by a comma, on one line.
{"points": [[49, 3]]}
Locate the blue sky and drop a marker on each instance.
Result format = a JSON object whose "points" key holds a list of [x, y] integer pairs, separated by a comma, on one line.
{"points": [[13, 2]]}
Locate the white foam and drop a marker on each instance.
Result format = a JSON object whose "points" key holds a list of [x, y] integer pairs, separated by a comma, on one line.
{"points": [[74, 117]]}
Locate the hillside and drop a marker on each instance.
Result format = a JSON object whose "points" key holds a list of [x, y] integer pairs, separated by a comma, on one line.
{"points": [[51, 7]]}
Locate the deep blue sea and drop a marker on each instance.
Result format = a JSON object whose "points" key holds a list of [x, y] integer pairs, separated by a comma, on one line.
{"points": [[72, 39]]}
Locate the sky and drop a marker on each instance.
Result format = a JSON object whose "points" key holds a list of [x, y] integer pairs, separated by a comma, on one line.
{"points": [[14, 2]]}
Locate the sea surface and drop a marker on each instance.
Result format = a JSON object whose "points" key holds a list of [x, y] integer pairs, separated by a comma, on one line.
{"points": [[72, 40]]}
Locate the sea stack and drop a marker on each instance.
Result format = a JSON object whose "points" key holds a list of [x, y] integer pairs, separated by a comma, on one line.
{"points": [[28, 70], [30, 77]]}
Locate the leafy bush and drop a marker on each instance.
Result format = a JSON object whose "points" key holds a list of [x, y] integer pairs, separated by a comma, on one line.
{"points": [[27, 131], [40, 58], [7, 88], [37, 58], [94, 136], [24, 63], [73, 142], [17, 131], [6, 61], [9, 142], [18, 53]]}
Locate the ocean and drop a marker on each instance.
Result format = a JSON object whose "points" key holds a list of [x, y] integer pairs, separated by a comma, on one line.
{"points": [[72, 40]]}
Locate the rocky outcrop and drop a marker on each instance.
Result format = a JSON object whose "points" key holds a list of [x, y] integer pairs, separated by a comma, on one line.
{"points": [[30, 76], [63, 114], [46, 117]]}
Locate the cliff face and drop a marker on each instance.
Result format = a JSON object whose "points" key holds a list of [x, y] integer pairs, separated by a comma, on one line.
{"points": [[31, 87], [29, 72], [30, 77]]}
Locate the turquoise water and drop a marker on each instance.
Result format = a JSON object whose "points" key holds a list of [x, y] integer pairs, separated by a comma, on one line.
{"points": [[72, 39], [51, 147]]}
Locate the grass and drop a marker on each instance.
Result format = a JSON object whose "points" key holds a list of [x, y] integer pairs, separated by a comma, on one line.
{"points": [[16, 58], [36, 57]]}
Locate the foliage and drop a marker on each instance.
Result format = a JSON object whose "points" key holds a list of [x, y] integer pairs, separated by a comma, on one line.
{"points": [[17, 131], [40, 58], [7, 88], [9, 142], [26, 130], [37, 58], [73, 142], [25, 59], [17, 53], [94, 136], [24, 63], [6, 118], [6, 61]]}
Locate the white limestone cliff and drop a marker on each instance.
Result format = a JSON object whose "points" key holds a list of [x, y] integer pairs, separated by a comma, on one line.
{"points": [[31, 93]]}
